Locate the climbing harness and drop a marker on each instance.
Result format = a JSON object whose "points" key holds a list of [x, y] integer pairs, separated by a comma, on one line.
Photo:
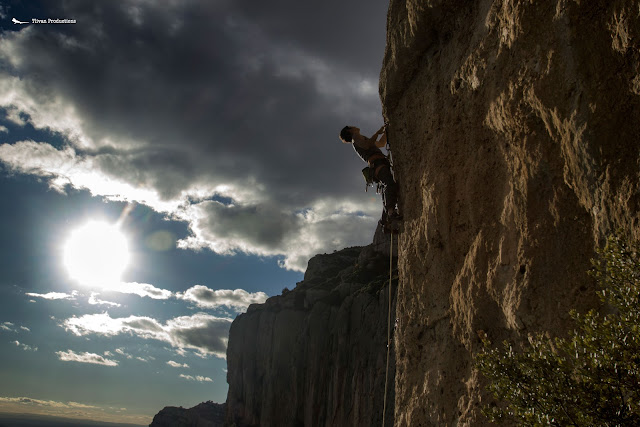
{"points": [[389, 225], [371, 171], [367, 173]]}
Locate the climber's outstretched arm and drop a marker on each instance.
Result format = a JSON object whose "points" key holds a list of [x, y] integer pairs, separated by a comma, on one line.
{"points": [[383, 141]]}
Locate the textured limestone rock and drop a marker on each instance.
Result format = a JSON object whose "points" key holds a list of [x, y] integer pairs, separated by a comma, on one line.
{"points": [[207, 414], [316, 355], [515, 132]]}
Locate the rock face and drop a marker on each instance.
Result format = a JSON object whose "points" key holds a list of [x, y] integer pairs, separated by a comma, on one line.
{"points": [[207, 414], [316, 355], [515, 130]]}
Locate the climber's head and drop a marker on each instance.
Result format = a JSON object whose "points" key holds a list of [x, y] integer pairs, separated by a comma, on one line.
{"points": [[347, 132]]}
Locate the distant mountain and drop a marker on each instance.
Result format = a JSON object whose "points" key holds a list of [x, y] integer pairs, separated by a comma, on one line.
{"points": [[33, 420], [207, 414]]}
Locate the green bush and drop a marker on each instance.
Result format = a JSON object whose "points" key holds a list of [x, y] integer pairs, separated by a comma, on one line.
{"points": [[590, 378]]}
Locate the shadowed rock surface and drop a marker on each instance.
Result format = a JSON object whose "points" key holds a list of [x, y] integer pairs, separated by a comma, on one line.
{"points": [[316, 355], [207, 414]]}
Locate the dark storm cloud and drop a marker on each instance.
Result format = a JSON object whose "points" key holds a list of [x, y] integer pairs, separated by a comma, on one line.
{"points": [[189, 100], [209, 336], [263, 224], [350, 32]]}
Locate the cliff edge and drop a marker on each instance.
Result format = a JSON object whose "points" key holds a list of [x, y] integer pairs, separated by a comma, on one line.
{"points": [[316, 355], [515, 133]]}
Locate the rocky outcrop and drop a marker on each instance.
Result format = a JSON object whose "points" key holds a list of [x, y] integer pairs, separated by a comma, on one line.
{"points": [[207, 414], [316, 355], [515, 133]]}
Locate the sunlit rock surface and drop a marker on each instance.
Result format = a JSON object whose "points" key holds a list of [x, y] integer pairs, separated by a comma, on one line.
{"points": [[515, 133]]}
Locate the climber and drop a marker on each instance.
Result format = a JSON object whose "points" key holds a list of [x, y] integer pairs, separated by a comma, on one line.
{"points": [[369, 150]]}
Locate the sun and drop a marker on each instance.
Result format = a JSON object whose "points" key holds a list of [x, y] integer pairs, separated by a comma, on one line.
{"points": [[96, 253]]}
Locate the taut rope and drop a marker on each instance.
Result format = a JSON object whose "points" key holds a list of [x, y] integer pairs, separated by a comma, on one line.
{"points": [[386, 376]]}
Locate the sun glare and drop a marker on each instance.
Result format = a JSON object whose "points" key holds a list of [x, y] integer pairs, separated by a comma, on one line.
{"points": [[96, 254]]}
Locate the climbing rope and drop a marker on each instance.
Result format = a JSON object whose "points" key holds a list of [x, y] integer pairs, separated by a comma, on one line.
{"points": [[386, 375]]}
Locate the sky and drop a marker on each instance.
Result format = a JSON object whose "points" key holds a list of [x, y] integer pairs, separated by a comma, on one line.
{"points": [[162, 166]]}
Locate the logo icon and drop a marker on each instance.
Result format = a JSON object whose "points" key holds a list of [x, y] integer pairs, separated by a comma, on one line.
{"points": [[15, 21]]}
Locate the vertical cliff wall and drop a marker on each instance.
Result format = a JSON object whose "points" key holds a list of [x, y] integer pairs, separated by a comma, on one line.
{"points": [[515, 134], [316, 355]]}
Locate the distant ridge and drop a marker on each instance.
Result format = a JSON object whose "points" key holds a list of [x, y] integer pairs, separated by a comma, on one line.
{"points": [[35, 420], [206, 414]]}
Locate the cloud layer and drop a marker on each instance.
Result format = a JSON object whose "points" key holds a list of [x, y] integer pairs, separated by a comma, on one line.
{"points": [[96, 359], [11, 327], [177, 365], [239, 299], [24, 346], [204, 333], [198, 378], [67, 409], [199, 295], [44, 403], [53, 295], [223, 114]]}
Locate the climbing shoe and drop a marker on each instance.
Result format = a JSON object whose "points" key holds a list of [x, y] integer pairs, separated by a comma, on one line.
{"points": [[390, 224]]}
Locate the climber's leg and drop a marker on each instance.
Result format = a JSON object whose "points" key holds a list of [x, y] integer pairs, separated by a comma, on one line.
{"points": [[390, 191]]}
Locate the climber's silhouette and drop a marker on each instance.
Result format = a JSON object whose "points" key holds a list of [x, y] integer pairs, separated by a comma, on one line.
{"points": [[379, 169]]}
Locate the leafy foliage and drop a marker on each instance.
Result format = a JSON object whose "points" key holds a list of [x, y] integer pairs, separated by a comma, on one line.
{"points": [[592, 377]]}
